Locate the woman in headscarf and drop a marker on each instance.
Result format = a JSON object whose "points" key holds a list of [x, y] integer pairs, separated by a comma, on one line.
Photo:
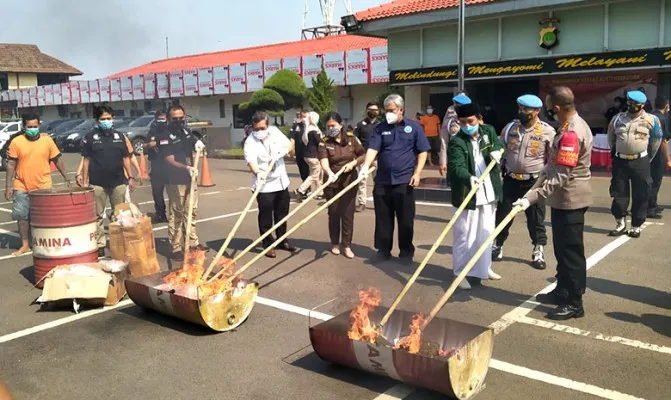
{"points": [[311, 139], [340, 151]]}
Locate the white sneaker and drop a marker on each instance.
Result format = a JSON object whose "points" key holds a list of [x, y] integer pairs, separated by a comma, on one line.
{"points": [[493, 275], [464, 285], [335, 250]]}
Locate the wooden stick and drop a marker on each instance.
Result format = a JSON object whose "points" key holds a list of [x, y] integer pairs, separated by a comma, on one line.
{"points": [[437, 243], [242, 216], [292, 230], [469, 266], [189, 216], [285, 219]]}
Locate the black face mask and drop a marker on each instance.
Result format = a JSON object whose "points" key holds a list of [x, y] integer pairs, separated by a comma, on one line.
{"points": [[524, 118], [551, 114], [372, 115], [634, 108], [177, 124]]}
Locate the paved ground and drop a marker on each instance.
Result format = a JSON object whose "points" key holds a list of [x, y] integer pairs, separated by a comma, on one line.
{"points": [[620, 350]]}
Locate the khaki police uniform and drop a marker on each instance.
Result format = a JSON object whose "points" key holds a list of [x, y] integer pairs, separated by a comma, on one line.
{"points": [[106, 150], [565, 185], [629, 137], [527, 151], [341, 212]]}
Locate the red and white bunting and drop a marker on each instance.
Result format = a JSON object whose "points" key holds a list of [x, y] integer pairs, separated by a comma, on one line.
{"points": [[334, 65], [75, 96], [378, 65], [270, 67], [293, 64], [254, 76], [190, 77], [40, 96], [115, 89], [237, 76], [57, 93], [162, 85], [66, 98], [312, 66], [149, 86], [176, 84], [94, 91], [138, 87], [84, 92], [357, 67], [205, 82], [105, 90], [221, 80], [126, 84]]}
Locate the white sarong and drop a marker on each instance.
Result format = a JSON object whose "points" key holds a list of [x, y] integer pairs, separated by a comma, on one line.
{"points": [[470, 231]]}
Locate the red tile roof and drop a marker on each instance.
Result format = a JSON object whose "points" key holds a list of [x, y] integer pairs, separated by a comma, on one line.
{"points": [[267, 52], [404, 7]]}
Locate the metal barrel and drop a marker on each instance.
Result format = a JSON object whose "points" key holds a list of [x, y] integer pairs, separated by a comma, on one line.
{"points": [[63, 227], [460, 374], [221, 312]]}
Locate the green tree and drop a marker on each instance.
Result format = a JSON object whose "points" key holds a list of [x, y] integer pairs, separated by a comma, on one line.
{"points": [[263, 100], [322, 95], [290, 86]]}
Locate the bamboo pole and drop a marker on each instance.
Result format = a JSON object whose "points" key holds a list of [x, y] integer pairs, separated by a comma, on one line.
{"points": [[443, 300], [292, 230], [437, 243], [189, 216], [242, 216]]}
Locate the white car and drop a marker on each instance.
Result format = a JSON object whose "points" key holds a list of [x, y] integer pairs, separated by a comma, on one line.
{"points": [[7, 129]]}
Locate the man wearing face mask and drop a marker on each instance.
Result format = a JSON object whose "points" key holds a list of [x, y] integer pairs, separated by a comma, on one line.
{"points": [[401, 149], [661, 160], [470, 151], [450, 128], [158, 174], [177, 148], [528, 141], [565, 185], [363, 131], [430, 122], [28, 169], [297, 131], [634, 137]]}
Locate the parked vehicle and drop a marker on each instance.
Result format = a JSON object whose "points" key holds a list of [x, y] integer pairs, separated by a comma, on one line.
{"points": [[49, 126], [70, 141], [138, 130]]}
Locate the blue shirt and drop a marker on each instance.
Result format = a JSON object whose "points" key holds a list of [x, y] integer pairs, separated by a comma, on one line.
{"points": [[656, 132], [398, 147]]}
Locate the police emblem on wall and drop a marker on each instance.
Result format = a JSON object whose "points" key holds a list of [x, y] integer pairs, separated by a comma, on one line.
{"points": [[549, 34]]}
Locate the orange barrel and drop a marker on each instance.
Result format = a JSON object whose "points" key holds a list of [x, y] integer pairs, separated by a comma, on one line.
{"points": [[63, 227]]}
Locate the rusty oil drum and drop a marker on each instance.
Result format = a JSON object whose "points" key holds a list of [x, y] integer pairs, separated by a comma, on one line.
{"points": [[63, 227], [459, 375], [221, 312]]}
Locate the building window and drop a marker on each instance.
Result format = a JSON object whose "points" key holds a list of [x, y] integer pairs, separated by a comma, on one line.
{"points": [[4, 82], [50, 79], [222, 108], [238, 122]]}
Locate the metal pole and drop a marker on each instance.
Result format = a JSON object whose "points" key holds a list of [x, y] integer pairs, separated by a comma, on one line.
{"points": [[460, 43], [166, 48]]}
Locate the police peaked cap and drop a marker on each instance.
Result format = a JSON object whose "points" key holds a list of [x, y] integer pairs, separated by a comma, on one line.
{"points": [[530, 101], [637, 96], [468, 110], [462, 99]]}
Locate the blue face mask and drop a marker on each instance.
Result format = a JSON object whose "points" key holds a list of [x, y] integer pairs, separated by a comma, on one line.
{"points": [[105, 125], [469, 129]]}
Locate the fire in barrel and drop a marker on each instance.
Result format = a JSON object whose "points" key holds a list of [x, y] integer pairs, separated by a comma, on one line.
{"points": [[221, 305], [449, 357]]}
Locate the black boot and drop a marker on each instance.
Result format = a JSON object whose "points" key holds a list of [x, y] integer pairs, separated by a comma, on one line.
{"points": [[566, 311]]}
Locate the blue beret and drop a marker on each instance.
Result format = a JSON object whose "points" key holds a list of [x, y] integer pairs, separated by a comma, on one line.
{"points": [[637, 96], [530, 101], [462, 99]]}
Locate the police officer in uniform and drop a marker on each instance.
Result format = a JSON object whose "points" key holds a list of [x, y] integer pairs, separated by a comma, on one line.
{"points": [[401, 149], [177, 150], [450, 128], [565, 184], [363, 131], [632, 136], [105, 157], [158, 174], [528, 141]]}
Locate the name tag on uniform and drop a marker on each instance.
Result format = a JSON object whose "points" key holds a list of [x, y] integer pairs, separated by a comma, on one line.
{"points": [[386, 133], [164, 141], [330, 148]]}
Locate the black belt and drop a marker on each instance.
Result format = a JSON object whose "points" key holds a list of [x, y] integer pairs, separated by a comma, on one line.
{"points": [[522, 177]]}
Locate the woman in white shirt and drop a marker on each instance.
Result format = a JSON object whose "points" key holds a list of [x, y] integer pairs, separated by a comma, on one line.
{"points": [[264, 144]]}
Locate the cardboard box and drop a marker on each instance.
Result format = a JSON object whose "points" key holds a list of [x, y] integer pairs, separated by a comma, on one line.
{"points": [[105, 289]]}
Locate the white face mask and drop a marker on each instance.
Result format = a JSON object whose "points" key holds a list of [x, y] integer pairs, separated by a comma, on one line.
{"points": [[391, 117], [261, 135], [429, 111]]}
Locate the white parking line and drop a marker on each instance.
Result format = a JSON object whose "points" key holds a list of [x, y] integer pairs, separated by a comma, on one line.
{"points": [[597, 336], [10, 233]]}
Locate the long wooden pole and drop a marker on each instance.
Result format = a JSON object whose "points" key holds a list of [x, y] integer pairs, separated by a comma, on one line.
{"points": [[242, 216], [443, 300], [189, 216], [437, 243], [292, 230]]}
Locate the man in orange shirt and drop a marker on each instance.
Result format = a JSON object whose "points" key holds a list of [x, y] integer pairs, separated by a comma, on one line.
{"points": [[28, 169], [431, 125]]}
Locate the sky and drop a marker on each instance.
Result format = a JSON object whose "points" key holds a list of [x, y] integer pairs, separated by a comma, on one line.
{"points": [[102, 37]]}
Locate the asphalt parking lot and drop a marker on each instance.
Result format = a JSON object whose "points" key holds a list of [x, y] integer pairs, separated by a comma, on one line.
{"points": [[621, 349]]}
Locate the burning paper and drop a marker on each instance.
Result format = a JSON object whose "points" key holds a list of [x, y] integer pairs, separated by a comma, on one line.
{"points": [[362, 329], [412, 342], [187, 280]]}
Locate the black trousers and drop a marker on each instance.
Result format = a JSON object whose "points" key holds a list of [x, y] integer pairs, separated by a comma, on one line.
{"points": [[568, 227], [158, 181], [631, 178], [434, 141], [394, 201], [303, 168], [657, 175], [273, 207], [512, 191], [341, 215]]}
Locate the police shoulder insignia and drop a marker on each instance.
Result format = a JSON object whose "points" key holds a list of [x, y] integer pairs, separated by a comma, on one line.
{"points": [[569, 149], [408, 129]]}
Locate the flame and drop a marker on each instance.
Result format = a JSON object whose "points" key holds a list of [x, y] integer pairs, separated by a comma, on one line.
{"points": [[189, 276], [413, 341], [362, 329]]}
